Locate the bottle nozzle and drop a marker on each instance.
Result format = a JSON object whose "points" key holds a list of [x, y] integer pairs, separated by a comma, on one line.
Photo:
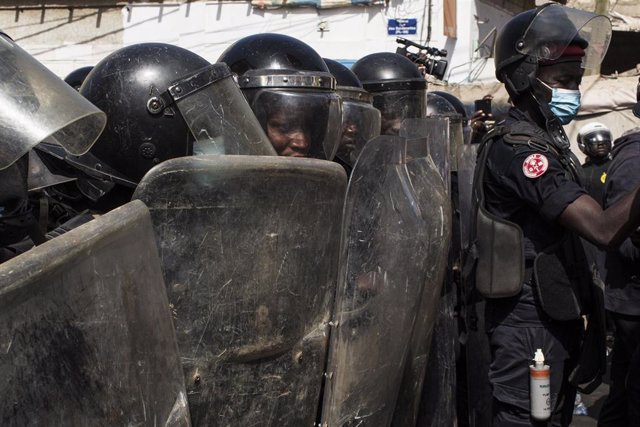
{"points": [[538, 358]]}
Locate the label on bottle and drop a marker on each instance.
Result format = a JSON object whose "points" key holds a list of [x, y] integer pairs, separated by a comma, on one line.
{"points": [[540, 392]]}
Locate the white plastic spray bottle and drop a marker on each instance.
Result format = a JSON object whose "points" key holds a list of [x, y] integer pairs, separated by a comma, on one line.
{"points": [[540, 388]]}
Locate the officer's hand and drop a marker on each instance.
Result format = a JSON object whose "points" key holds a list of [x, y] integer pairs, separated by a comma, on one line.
{"points": [[478, 124]]}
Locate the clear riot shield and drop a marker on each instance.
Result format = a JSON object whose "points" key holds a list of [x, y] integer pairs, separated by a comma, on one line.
{"points": [[435, 133], [467, 155], [476, 349], [36, 105], [249, 248], [434, 404], [395, 234], [218, 115], [426, 341], [86, 336], [40, 176]]}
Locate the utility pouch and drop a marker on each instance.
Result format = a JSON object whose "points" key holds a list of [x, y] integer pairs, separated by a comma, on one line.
{"points": [[497, 248], [500, 257], [554, 288], [563, 280]]}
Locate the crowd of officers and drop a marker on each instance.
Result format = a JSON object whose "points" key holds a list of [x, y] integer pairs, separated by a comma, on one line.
{"points": [[546, 231]]}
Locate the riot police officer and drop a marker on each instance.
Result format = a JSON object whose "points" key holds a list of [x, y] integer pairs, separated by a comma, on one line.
{"points": [[30, 113], [360, 119], [159, 106], [594, 140], [399, 90], [531, 207], [622, 299], [291, 92]]}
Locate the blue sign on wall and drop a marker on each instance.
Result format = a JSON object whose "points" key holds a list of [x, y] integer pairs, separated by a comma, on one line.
{"points": [[401, 27]]}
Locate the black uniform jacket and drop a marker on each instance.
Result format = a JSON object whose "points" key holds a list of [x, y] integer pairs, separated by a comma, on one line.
{"points": [[527, 185], [622, 267], [595, 174]]}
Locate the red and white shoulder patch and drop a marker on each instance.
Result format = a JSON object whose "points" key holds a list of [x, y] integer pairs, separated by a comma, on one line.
{"points": [[535, 165]]}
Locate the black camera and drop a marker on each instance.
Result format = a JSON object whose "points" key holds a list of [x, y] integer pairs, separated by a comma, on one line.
{"points": [[430, 57]]}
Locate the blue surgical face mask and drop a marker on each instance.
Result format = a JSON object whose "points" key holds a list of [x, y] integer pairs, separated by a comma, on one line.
{"points": [[564, 103]]}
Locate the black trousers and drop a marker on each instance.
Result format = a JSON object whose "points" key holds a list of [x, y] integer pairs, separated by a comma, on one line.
{"points": [[622, 406], [512, 348]]}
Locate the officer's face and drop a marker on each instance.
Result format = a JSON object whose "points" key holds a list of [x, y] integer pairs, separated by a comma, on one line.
{"points": [[390, 125], [349, 138], [289, 134], [598, 149], [562, 75]]}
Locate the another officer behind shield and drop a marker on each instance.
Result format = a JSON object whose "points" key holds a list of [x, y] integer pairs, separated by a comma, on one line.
{"points": [[169, 102], [622, 294], [529, 262], [594, 140], [360, 119], [291, 92], [399, 90]]}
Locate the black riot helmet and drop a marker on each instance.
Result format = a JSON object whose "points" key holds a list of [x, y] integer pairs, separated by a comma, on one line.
{"points": [[291, 92], [542, 41], [399, 89], [438, 105], [636, 108], [544, 34], [455, 102], [77, 76], [360, 119], [162, 102], [594, 140]]}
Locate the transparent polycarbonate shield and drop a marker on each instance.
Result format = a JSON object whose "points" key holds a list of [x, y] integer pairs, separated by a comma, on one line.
{"points": [[218, 115], [477, 349], [394, 234], [86, 336], [467, 156], [398, 105], [422, 341], [435, 132], [360, 124], [456, 140], [249, 248], [300, 122], [555, 27], [40, 176], [36, 105]]}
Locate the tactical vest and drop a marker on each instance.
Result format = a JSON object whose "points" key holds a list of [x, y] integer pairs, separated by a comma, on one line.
{"points": [[559, 274]]}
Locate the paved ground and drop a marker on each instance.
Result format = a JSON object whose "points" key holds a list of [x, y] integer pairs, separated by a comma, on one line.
{"points": [[593, 402]]}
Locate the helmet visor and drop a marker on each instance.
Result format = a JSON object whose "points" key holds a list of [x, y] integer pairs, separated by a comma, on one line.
{"points": [[36, 105], [438, 106], [300, 122], [398, 105], [597, 138], [360, 124], [556, 27], [218, 115]]}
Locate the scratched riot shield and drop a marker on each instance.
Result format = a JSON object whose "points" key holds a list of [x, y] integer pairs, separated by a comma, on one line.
{"points": [[476, 349], [434, 132], [249, 249], [395, 236], [425, 383], [86, 336]]}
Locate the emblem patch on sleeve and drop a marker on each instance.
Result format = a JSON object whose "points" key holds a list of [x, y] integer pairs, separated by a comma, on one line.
{"points": [[535, 165]]}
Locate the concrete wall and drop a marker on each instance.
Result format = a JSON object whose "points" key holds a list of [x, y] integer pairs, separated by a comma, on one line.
{"points": [[81, 33]]}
